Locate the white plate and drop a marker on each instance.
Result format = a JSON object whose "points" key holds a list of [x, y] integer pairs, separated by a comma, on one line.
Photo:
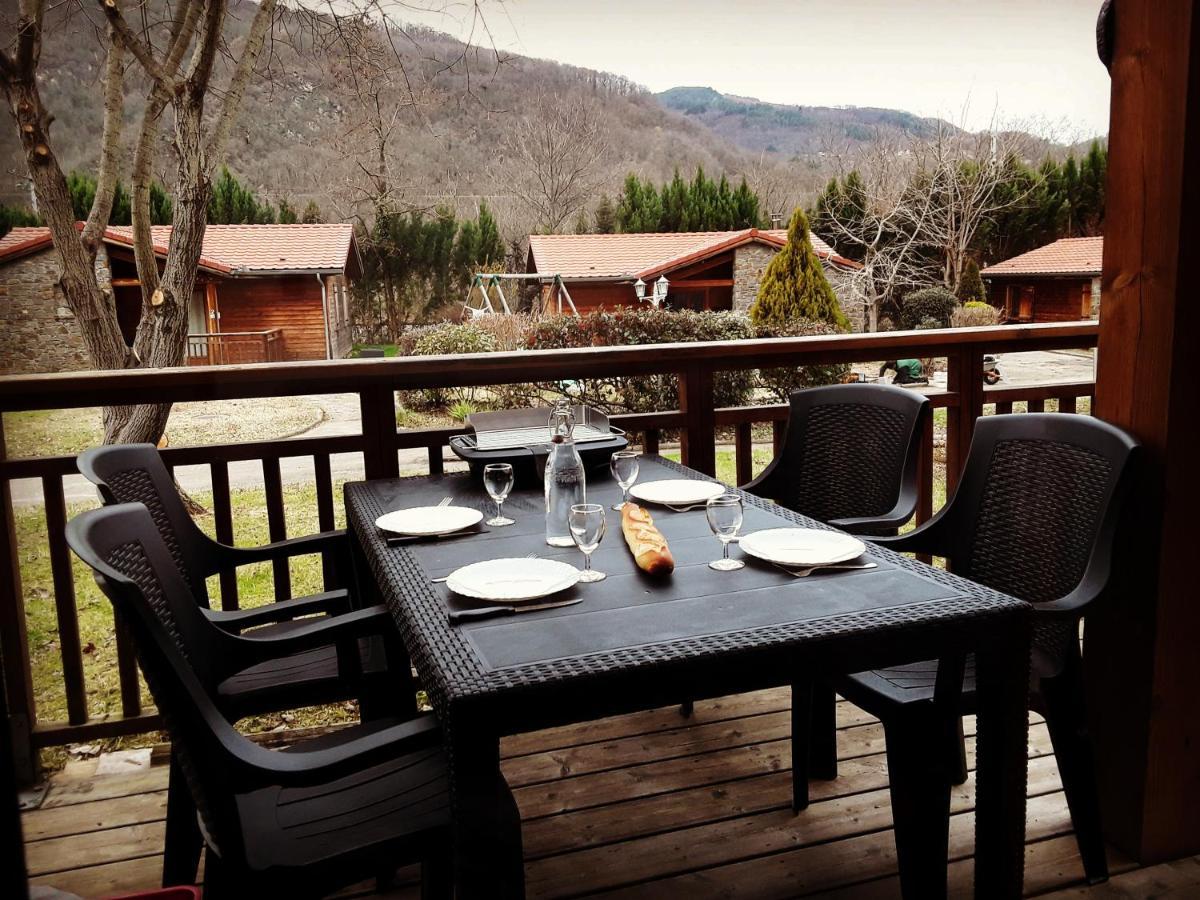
{"points": [[676, 491], [423, 520], [802, 546], [512, 580]]}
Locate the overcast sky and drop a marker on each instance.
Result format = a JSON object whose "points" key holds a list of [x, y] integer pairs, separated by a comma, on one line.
{"points": [[1028, 59]]}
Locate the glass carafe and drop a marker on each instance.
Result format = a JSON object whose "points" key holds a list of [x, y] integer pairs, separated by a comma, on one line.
{"points": [[565, 484]]}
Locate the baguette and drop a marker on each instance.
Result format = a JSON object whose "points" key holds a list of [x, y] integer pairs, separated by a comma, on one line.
{"points": [[646, 542]]}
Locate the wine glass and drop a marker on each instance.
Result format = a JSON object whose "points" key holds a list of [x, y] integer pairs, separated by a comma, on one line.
{"points": [[624, 465], [498, 480], [588, 525], [725, 518]]}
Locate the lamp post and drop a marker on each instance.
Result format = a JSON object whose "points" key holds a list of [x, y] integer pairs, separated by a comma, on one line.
{"points": [[659, 294]]}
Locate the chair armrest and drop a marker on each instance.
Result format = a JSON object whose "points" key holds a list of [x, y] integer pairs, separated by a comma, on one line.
{"points": [[324, 542], [331, 603], [368, 622], [259, 767], [767, 484], [932, 538]]}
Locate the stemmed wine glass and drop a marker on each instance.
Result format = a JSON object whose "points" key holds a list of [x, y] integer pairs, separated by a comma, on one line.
{"points": [[588, 525], [624, 465], [498, 480], [725, 518]]}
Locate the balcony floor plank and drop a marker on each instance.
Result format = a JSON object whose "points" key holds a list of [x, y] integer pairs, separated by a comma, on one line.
{"points": [[644, 805]]}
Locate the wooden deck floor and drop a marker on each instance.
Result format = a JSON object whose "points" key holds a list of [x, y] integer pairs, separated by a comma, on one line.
{"points": [[646, 806]]}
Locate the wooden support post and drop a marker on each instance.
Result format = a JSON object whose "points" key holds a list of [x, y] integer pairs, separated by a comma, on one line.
{"points": [[698, 447], [743, 452], [965, 378], [377, 406], [925, 476], [1142, 669]]}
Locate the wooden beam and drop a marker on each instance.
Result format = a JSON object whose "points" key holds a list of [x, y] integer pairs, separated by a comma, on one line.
{"points": [[1143, 669], [701, 283], [126, 282]]}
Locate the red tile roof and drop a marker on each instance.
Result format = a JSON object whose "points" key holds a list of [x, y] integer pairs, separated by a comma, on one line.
{"points": [[228, 249], [607, 257], [1068, 256]]}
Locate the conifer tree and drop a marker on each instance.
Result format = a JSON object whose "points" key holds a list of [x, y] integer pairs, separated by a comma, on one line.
{"points": [[312, 214], [794, 285], [604, 221], [287, 213], [970, 286]]}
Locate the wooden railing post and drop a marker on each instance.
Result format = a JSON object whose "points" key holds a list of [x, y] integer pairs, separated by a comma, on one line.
{"points": [[377, 406], [698, 447], [14, 641], [964, 378]]}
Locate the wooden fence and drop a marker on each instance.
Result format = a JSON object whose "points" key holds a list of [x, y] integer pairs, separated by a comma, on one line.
{"points": [[235, 347], [375, 381]]}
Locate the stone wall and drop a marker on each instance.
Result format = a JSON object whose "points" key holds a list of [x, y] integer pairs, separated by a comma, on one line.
{"points": [[750, 262], [37, 331], [1095, 307]]}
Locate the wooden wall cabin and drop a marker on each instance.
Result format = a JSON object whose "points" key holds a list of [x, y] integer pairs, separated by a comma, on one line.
{"points": [[717, 270], [1059, 282], [264, 293]]}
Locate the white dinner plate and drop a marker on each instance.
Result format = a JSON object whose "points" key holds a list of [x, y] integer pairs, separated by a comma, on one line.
{"points": [[676, 491], [512, 580], [427, 520], [802, 546]]}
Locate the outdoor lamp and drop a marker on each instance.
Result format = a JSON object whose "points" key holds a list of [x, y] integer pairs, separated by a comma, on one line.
{"points": [[639, 288], [660, 290]]}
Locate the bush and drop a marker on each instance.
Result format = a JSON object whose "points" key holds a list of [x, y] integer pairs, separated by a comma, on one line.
{"points": [[624, 327], [780, 383], [935, 304], [974, 314], [444, 338], [970, 285]]}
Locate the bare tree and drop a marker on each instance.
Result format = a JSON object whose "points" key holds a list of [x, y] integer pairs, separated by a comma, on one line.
{"points": [[558, 156], [194, 31]]}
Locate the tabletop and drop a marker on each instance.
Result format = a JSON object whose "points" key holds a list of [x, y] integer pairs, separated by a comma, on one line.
{"points": [[631, 621]]}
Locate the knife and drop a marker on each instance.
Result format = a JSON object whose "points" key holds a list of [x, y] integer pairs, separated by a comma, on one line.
{"points": [[487, 612]]}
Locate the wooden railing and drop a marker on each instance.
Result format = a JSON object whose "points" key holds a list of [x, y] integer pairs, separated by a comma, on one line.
{"points": [[235, 347], [374, 381]]}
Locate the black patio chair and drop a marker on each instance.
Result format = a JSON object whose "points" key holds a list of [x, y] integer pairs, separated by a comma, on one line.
{"points": [[849, 459], [1034, 516], [135, 473], [301, 822]]}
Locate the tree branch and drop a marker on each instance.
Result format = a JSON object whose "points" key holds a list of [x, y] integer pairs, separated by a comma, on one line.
{"points": [[141, 51], [110, 142], [241, 75]]}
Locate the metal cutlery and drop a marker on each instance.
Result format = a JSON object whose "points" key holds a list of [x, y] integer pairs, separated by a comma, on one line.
{"points": [[446, 501], [808, 570], [685, 508], [487, 612]]}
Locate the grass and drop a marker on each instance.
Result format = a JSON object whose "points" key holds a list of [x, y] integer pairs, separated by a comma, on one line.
{"points": [[388, 349]]}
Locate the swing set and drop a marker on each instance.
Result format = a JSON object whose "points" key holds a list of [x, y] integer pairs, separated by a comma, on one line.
{"points": [[485, 296]]}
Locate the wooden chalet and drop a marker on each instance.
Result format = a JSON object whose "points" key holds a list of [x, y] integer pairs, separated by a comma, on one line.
{"points": [[1059, 282], [264, 293], [706, 269]]}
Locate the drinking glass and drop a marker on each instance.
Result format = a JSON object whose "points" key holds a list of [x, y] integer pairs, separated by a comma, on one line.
{"points": [[498, 480], [624, 465], [588, 525], [725, 518]]}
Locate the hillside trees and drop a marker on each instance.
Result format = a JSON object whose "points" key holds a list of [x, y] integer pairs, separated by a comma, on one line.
{"points": [[232, 203], [701, 204], [177, 58], [794, 286]]}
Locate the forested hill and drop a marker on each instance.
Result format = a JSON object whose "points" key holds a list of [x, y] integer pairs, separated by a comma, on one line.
{"points": [[788, 130]]}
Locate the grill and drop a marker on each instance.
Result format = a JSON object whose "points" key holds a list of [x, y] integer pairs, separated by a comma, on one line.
{"points": [[511, 428]]}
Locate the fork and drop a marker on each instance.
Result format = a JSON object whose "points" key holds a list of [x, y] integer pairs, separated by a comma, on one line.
{"points": [[808, 570], [685, 508], [444, 578], [446, 501]]}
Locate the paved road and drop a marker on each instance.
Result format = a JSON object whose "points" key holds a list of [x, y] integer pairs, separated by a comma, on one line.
{"points": [[341, 418]]}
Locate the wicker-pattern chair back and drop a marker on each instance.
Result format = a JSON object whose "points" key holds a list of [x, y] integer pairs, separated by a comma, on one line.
{"points": [[850, 453], [135, 473], [136, 572]]}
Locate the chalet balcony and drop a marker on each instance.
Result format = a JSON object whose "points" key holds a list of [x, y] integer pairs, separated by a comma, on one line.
{"points": [[236, 348], [644, 803]]}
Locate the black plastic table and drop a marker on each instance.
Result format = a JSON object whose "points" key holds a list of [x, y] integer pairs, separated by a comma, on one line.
{"points": [[637, 642]]}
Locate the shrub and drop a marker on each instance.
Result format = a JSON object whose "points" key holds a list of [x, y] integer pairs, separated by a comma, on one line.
{"points": [[444, 338], [934, 303], [974, 314], [970, 285], [794, 286], [780, 383], [623, 327]]}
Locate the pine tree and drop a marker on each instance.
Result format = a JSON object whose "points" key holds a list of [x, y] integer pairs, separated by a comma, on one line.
{"points": [[16, 217], [794, 285], [287, 213], [604, 221], [970, 286], [312, 214], [491, 245]]}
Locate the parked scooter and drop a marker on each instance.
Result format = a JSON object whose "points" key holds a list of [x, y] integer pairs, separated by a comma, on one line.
{"points": [[991, 370]]}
